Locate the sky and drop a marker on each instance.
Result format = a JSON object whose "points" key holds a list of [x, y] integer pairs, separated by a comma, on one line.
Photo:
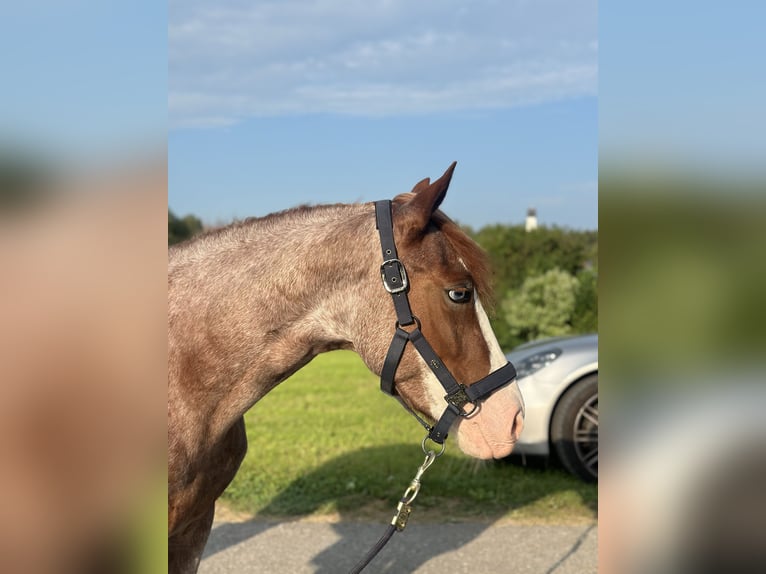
{"points": [[84, 81], [263, 105], [681, 85], [274, 104]]}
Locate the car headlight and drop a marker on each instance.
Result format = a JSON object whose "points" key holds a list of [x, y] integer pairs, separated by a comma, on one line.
{"points": [[534, 363]]}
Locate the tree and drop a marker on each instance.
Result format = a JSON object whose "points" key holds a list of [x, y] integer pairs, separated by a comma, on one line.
{"points": [[516, 255], [182, 229], [543, 306], [585, 314]]}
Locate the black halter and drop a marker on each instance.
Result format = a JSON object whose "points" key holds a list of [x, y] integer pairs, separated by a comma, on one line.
{"points": [[396, 283]]}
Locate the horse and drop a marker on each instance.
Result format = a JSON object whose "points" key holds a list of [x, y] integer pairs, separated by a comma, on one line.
{"points": [[251, 303]]}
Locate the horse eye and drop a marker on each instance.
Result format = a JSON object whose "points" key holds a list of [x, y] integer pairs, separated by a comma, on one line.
{"points": [[459, 295]]}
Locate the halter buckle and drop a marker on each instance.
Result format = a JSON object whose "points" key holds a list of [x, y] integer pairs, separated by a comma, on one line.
{"points": [[396, 280], [459, 399]]}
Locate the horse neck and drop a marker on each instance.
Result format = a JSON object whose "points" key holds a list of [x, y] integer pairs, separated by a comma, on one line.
{"points": [[316, 269], [254, 303]]}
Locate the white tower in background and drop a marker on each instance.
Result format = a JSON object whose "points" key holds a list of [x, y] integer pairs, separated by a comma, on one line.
{"points": [[531, 223]]}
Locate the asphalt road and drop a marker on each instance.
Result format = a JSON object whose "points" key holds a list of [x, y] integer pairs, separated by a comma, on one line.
{"points": [[310, 547]]}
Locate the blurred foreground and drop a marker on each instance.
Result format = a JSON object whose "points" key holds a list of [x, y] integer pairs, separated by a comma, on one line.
{"points": [[82, 365], [683, 328]]}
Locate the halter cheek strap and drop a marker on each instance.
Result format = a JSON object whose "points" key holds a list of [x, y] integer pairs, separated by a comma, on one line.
{"points": [[396, 282]]}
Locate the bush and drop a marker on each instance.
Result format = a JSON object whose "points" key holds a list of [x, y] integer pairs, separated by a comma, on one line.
{"points": [[543, 307]]}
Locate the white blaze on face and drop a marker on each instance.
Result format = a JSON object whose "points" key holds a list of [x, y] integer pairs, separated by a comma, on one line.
{"points": [[496, 357], [493, 430], [488, 432]]}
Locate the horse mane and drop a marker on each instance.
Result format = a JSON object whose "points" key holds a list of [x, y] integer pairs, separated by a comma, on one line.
{"points": [[297, 213]]}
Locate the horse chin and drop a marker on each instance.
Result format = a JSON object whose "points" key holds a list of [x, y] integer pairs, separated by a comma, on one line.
{"points": [[473, 443]]}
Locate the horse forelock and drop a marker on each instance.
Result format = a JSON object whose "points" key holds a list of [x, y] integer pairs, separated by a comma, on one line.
{"points": [[466, 249], [474, 257]]}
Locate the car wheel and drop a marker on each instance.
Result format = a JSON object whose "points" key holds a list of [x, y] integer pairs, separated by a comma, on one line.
{"points": [[574, 429]]}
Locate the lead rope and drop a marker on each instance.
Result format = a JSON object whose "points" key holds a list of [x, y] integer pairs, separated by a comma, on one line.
{"points": [[403, 511], [395, 281]]}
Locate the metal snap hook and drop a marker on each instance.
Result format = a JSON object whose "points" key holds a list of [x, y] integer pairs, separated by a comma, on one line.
{"points": [[427, 450], [414, 488]]}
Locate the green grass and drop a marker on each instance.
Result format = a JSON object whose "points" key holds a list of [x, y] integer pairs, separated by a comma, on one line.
{"points": [[328, 442]]}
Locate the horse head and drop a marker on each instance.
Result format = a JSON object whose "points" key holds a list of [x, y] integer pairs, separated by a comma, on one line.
{"points": [[448, 282]]}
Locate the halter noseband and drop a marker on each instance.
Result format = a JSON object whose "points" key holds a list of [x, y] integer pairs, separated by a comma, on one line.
{"points": [[396, 283]]}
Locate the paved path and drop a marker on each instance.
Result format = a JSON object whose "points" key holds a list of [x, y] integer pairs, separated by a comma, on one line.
{"points": [[309, 547]]}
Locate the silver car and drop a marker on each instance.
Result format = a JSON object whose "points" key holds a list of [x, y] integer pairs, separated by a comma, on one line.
{"points": [[558, 378]]}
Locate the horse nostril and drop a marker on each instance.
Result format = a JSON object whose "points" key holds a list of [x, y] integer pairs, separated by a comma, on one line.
{"points": [[518, 426]]}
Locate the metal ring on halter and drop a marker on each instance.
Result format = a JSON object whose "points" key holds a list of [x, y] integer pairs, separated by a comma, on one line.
{"points": [[473, 410], [414, 318], [426, 451]]}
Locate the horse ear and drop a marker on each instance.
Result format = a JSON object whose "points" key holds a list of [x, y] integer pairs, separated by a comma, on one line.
{"points": [[428, 198], [421, 185]]}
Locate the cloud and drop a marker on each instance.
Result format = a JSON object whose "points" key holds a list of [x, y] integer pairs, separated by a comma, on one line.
{"points": [[234, 60]]}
